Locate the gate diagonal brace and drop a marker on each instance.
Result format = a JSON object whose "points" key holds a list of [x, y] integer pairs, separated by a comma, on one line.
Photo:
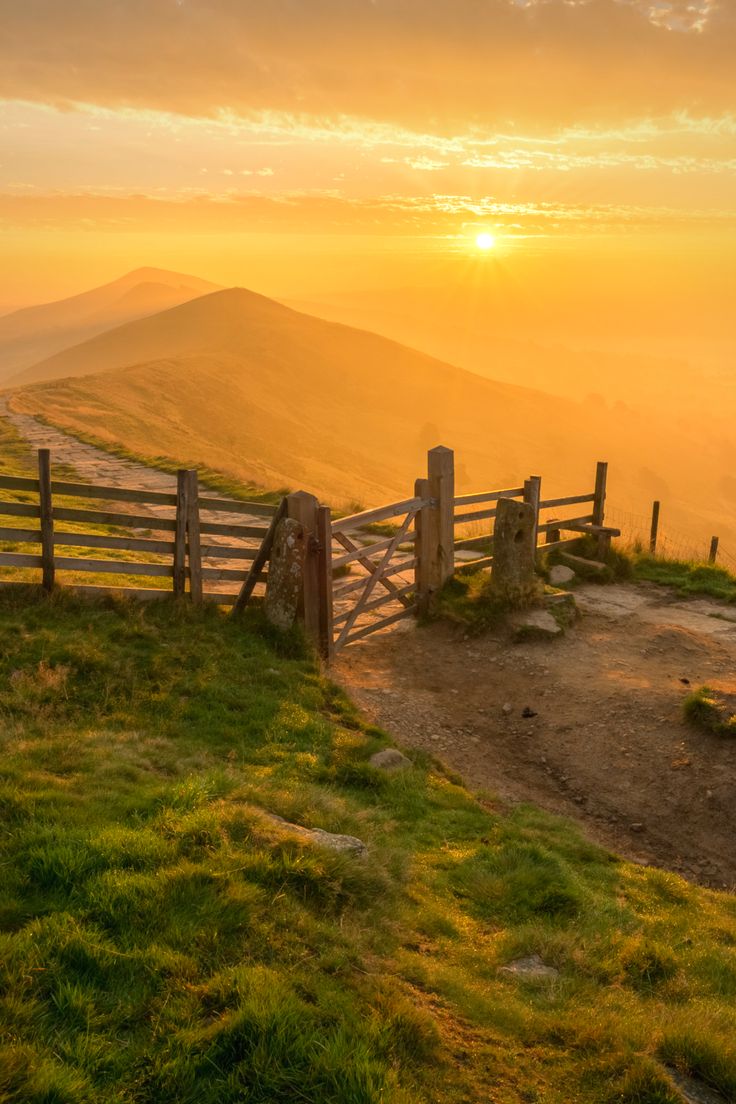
{"points": [[370, 566]]}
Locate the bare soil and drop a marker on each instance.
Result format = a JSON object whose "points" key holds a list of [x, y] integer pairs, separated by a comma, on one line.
{"points": [[607, 745]]}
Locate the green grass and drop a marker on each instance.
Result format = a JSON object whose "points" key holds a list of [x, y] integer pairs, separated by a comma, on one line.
{"points": [[687, 578], [710, 710], [161, 941]]}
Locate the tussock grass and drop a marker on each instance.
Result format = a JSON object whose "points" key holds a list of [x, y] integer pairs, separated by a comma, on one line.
{"points": [[711, 710], [161, 940], [687, 577]]}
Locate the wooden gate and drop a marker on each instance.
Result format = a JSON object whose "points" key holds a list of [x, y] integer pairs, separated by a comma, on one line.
{"points": [[372, 563]]}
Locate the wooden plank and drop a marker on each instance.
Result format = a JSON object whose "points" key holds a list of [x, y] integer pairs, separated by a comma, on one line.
{"points": [[362, 553], [260, 561], [140, 594], [382, 600], [532, 495], [20, 559], [19, 509], [324, 570], [475, 565], [376, 625], [654, 531], [124, 544], [599, 497], [571, 500], [382, 513], [713, 553], [440, 516], [227, 552], [180, 539], [422, 547], [47, 519], [18, 483], [244, 532], [565, 523], [113, 494], [237, 506], [194, 547], [580, 561], [92, 540], [363, 560], [106, 517], [375, 577], [404, 566], [22, 536], [114, 567], [487, 496], [472, 542], [237, 575], [596, 530], [477, 515], [569, 542]]}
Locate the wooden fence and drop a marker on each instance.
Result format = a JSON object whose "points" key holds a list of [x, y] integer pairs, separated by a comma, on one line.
{"points": [[377, 567], [182, 536], [361, 573]]}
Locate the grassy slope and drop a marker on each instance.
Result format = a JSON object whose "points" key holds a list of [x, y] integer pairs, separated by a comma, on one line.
{"points": [[160, 942], [249, 388]]}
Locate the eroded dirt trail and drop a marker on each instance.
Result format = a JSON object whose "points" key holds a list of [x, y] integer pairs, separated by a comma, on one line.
{"points": [[607, 744]]}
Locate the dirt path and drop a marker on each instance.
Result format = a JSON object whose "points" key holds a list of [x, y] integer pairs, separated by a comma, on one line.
{"points": [[607, 744]]}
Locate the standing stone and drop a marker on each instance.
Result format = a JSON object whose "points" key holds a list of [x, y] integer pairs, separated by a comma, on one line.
{"points": [[285, 573], [514, 551]]}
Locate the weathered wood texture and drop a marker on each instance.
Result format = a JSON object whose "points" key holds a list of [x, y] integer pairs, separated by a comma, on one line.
{"points": [[654, 529], [194, 547], [440, 544], [47, 519]]}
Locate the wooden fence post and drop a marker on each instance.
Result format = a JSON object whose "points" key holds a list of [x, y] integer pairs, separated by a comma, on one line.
{"points": [[193, 538], [533, 495], [713, 550], [599, 501], [422, 553], [47, 519], [324, 577], [304, 508], [180, 538], [440, 527], [653, 532]]}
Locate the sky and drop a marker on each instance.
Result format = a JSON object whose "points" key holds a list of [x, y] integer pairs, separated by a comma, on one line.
{"points": [[304, 148]]}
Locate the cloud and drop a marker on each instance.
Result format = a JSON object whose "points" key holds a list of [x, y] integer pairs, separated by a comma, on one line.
{"points": [[439, 65], [231, 211]]}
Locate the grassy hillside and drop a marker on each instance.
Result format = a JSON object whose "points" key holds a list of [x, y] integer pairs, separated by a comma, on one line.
{"points": [[247, 387], [161, 940]]}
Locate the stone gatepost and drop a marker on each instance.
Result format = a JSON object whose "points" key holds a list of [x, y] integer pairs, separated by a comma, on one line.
{"points": [[514, 551], [284, 585]]}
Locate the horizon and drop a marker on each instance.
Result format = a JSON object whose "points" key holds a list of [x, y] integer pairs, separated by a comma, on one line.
{"points": [[332, 182]]}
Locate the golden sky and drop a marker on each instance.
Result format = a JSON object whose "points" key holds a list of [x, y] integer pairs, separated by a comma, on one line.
{"points": [[303, 146]]}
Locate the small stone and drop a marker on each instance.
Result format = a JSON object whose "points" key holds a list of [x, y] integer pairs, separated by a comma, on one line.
{"points": [[507, 708], [560, 574], [334, 841], [389, 759], [532, 968], [535, 624], [637, 827]]}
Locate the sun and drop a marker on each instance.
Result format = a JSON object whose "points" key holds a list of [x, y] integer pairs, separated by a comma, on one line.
{"points": [[485, 241]]}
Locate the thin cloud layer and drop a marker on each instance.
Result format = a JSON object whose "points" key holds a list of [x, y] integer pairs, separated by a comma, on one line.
{"points": [[438, 65]]}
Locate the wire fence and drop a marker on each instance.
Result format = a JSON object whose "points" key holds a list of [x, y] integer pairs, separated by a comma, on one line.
{"points": [[672, 544]]}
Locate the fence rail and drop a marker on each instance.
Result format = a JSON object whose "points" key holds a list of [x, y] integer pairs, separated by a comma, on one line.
{"points": [[177, 553]]}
